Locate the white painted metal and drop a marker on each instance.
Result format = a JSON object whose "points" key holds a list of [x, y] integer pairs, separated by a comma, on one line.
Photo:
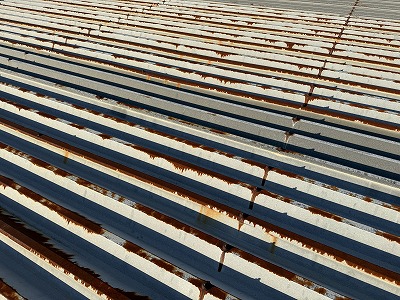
{"points": [[199, 150]]}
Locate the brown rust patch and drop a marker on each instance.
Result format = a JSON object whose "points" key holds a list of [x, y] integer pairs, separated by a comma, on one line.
{"points": [[182, 165], [320, 248], [76, 126], [40, 95], [308, 98], [33, 242], [287, 136], [66, 214], [205, 287], [60, 172], [35, 161], [359, 105], [288, 174], [225, 248], [254, 193], [24, 90], [206, 213], [20, 227], [295, 120], [241, 218], [280, 149], [178, 225], [238, 93], [17, 105], [325, 214], [7, 291], [367, 199], [264, 264], [273, 244], [218, 131], [131, 247], [254, 163], [303, 281], [289, 45], [105, 136], [331, 187], [46, 115], [390, 237], [265, 176]]}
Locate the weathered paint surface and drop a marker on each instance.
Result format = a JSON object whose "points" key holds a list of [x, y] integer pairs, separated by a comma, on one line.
{"points": [[199, 150]]}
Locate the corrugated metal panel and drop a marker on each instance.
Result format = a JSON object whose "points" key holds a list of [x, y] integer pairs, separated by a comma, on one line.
{"points": [[202, 150]]}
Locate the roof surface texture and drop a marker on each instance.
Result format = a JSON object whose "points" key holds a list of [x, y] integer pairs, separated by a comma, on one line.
{"points": [[199, 150]]}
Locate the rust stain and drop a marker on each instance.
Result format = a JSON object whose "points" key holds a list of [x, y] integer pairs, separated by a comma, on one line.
{"points": [[265, 264], [331, 187], [17, 105], [76, 126], [321, 290], [105, 136], [271, 100], [323, 213], [254, 163], [265, 176], [241, 218], [289, 45], [391, 206], [287, 136], [340, 256], [66, 156], [218, 131], [367, 199], [295, 120], [303, 281], [205, 287], [40, 95], [254, 193], [170, 268], [273, 244], [63, 212], [225, 248], [390, 237], [288, 174], [7, 291], [37, 244], [206, 213], [24, 90], [46, 115], [280, 149]]}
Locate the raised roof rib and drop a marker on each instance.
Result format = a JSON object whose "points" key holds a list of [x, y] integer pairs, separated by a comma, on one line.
{"points": [[186, 149]]}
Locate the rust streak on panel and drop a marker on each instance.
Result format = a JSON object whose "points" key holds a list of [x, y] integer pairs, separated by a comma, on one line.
{"points": [[338, 255], [326, 214], [8, 292], [45, 253], [67, 214], [131, 247], [390, 237]]}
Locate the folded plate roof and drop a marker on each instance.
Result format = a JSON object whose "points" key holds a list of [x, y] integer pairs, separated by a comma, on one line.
{"points": [[199, 150]]}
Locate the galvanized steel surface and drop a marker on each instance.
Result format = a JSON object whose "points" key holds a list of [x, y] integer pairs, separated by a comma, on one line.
{"points": [[199, 150]]}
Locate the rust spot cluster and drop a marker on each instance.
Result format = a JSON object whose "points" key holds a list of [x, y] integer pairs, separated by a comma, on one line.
{"points": [[66, 214], [232, 213], [38, 245]]}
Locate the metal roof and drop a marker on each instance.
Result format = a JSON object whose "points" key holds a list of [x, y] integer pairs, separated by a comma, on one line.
{"points": [[199, 149]]}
